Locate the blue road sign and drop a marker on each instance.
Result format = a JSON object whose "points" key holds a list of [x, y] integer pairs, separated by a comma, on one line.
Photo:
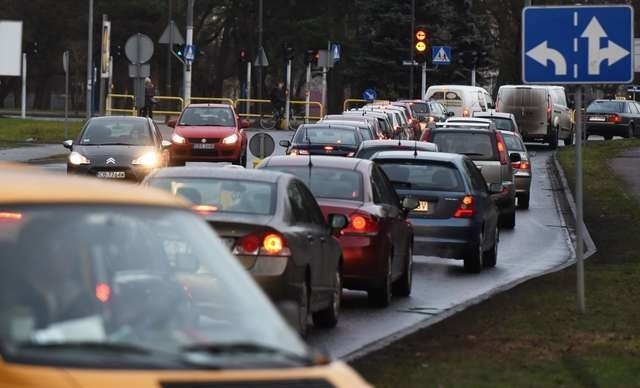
{"points": [[369, 94], [189, 53], [577, 44], [441, 55]]}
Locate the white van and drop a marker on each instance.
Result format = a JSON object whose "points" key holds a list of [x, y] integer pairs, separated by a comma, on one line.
{"points": [[462, 100]]}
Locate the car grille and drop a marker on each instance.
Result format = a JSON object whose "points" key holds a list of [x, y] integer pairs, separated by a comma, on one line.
{"points": [[199, 140], [297, 383]]}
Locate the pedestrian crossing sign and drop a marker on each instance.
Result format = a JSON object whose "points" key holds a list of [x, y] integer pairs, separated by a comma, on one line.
{"points": [[441, 55]]}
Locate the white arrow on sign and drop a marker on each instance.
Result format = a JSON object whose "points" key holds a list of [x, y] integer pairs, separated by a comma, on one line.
{"points": [[542, 54], [612, 53]]}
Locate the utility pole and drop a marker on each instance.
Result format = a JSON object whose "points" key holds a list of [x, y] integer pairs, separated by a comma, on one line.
{"points": [[101, 96], [187, 71], [307, 94], [260, 50], [423, 88], [579, 207], [287, 104], [90, 60], [169, 48], [413, 27]]}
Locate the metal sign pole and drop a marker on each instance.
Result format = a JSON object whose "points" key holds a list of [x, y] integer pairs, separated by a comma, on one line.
{"points": [[579, 206], [287, 103], [413, 27], [187, 73], [307, 94], [423, 89], [23, 112], [101, 97], [90, 60], [248, 103], [66, 94], [473, 76]]}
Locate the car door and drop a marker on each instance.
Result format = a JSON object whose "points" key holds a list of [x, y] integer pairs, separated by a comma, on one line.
{"points": [[485, 203], [562, 111]]}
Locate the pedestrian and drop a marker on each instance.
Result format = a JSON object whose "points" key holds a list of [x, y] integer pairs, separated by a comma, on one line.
{"points": [[149, 98], [278, 99]]}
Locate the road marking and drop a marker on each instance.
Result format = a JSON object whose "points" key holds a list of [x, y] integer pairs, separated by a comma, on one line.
{"points": [[575, 70], [575, 19], [575, 45]]}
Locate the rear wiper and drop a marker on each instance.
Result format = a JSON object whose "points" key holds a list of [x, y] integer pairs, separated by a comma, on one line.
{"points": [[247, 347], [472, 154]]}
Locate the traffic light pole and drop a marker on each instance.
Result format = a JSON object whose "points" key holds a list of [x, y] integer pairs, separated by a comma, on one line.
{"points": [[189, 42], [473, 76], [90, 61], [423, 89], [287, 103], [413, 27], [248, 104], [307, 94]]}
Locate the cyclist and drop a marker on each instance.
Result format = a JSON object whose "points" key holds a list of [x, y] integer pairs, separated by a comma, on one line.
{"points": [[278, 101]]}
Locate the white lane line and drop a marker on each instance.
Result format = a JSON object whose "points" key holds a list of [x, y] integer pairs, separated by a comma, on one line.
{"points": [[575, 19], [575, 45], [575, 70]]}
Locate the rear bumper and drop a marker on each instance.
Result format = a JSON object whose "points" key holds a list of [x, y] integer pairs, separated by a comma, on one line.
{"points": [[535, 132], [605, 129], [364, 261], [448, 238], [522, 182]]}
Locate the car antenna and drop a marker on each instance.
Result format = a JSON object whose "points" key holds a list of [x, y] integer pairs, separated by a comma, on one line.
{"points": [[310, 164], [415, 148]]}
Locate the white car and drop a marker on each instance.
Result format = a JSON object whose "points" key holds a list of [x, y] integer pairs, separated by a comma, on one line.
{"points": [[504, 121], [463, 100]]}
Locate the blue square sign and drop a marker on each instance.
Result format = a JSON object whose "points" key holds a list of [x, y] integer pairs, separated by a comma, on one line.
{"points": [[577, 44], [440, 55]]}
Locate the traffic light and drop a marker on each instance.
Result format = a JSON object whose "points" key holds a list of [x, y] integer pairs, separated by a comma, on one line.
{"points": [[311, 57], [243, 56], [179, 50], [288, 52], [420, 43]]}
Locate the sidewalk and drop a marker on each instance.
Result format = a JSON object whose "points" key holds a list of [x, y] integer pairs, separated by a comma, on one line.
{"points": [[626, 166], [25, 154]]}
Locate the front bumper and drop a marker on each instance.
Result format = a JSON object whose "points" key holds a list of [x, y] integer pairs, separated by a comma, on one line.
{"points": [[449, 238], [132, 173], [220, 153]]}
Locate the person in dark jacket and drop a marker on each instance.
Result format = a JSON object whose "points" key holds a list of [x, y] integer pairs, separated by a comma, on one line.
{"points": [[149, 98]]}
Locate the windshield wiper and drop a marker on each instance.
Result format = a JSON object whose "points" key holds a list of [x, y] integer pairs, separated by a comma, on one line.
{"points": [[90, 345], [108, 144], [247, 347], [472, 154]]}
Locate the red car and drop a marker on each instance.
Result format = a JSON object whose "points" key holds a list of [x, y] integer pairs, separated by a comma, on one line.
{"points": [[209, 133], [377, 244]]}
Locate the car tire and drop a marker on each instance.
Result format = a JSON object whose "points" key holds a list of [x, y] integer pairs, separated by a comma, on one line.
{"points": [[569, 140], [402, 286], [523, 201], [490, 257], [553, 139], [381, 296], [303, 309], [473, 258], [328, 317]]}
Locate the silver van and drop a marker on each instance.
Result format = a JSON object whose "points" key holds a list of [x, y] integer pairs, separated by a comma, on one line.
{"points": [[541, 112]]}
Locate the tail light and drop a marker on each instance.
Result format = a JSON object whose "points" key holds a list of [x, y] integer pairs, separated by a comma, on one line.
{"points": [[269, 244], [328, 148], [465, 112], [616, 119], [103, 292], [521, 165], [204, 209], [549, 111], [465, 208], [496, 108], [10, 216], [502, 148], [361, 223]]}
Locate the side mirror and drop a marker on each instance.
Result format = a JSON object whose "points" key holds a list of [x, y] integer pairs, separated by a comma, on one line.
{"points": [[285, 143], [172, 123], [166, 144], [68, 144], [450, 114], [515, 157], [244, 123], [410, 203], [495, 188], [338, 221]]}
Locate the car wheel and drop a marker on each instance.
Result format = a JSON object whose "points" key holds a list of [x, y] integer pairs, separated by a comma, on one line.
{"points": [[473, 258], [523, 201], [402, 286], [303, 309], [328, 317], [490, 257], [381, 295], [553, 139]]}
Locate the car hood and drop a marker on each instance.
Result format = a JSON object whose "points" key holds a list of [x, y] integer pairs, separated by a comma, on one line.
{"points": [[204, 131], [123, 155]]}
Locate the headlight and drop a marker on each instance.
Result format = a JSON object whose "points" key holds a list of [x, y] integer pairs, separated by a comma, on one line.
{"points": [[178, 139], [150, 159], [231, 139], [76, 158]]}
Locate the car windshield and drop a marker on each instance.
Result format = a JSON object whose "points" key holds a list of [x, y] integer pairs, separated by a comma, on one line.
{"points": [[605, 107], [224, 195], [327, 136], [331, 183], [88, 279], [477, 145], [207, 116], [422, 175], [116, 132], [503, 123], [513, 142]]}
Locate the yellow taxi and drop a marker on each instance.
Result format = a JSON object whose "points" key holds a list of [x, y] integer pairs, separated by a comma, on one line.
{"points": [[112, 285]]}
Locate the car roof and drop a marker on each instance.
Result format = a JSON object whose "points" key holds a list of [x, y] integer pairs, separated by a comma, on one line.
{"points": [[403, 143], [459, 87], [531, 87], [205, 105], [317, 161], [222, 172], [421, 155], [327, 125], [493, 113], [112, 118], [348, 123], [462, 127], [474, 120], [29, 185]]}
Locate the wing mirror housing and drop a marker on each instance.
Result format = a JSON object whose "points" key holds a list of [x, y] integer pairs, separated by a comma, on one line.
{"points": [[285, 143], [172, 123], [244, 123], [410, 203], [68, 144]]}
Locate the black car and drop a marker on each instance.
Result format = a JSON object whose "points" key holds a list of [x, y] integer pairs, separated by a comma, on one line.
{"points": [[456, 217], [609, 118], [324, 139], [274, 226], [117, 147]]}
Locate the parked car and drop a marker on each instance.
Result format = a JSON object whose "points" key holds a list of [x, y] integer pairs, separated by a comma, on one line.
{"points": [[368, 148], [541, 112], [504, 121], [274, 226], [115, 285], [378, 128], [365, 128], [522, 170], [486, 147], [609, 118], [209, 133], [324, 139], [117, 147], [377, 243], [456, 217], [463, 100]]}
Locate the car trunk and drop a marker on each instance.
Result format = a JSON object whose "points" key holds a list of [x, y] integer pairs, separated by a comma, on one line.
{"points": [[529, 106], [338, 206], [433, 204], [491, 170], [330, 149]]}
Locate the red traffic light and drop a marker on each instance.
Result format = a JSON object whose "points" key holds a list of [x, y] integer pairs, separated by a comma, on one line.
{"points": [[420, 40]]}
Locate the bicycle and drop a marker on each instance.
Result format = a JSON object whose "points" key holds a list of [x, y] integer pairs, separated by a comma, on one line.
{"points": [[274, 120]]}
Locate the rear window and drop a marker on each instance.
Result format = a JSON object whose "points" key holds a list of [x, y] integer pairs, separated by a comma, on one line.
{"points": [[503, 124], [477, 145], [522, 97], [327, 136], [227, 195], [447, 98], [513, 143], [366, 133], [422, 175], [325, 182], [419, 108], [605, 107]]}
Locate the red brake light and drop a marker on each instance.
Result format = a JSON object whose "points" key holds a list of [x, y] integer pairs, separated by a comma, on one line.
{"points": [[361, 223], [465, 208], [204, 209], [249, 244], [328, 148], [269, 244], [521, 165], [273, 243], [614, 119], [103, 292], [10, 216], [549, 111], [502, 148]]}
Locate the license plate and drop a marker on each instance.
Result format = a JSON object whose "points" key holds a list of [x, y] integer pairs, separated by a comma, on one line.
{"points": [[423, 206], [229, 242], [204, 146], [597, 118], [111, 174]]}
